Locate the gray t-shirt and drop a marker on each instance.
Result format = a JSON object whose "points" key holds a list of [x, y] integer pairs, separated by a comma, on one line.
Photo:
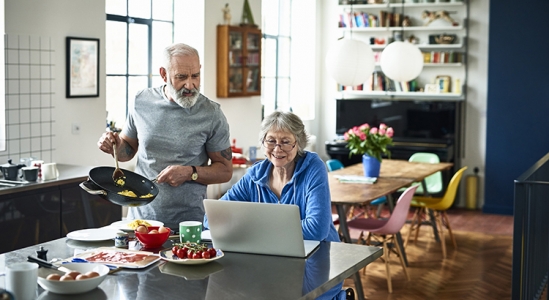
{"points": [[171, 135]]}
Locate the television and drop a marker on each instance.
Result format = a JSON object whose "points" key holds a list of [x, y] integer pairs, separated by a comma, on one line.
{"points": [[411, 120]]}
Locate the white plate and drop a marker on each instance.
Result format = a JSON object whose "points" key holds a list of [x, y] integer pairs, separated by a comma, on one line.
{"points": [[123, 225], [168, 256], [94, 234]]}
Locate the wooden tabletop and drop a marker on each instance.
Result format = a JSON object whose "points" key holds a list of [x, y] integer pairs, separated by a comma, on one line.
{"points": [[405, 169], [394, 174], [356, 193]]}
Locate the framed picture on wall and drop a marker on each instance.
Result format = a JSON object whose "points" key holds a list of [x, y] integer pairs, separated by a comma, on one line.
{"points": [[82, 67]]}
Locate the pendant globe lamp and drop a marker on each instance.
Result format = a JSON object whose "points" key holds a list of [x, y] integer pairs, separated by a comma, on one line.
{"points": [[350, 62], [401, 61]]}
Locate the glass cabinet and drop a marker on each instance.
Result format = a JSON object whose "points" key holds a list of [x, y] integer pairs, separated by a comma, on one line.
{"points": [[238, 61]]}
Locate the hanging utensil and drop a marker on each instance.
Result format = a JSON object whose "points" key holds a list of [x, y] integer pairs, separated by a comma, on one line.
{"points": [[117, 176]]}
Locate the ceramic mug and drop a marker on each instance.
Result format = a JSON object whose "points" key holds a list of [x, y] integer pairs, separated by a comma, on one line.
{"points": [[38, 163], [30, 173], [190, 231], [49, 171], [21, 280]]}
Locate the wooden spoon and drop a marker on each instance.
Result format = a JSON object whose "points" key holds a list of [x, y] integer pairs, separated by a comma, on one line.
{"points": [[118, 176]]}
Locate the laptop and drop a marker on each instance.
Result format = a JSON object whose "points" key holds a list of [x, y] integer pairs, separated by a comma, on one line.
{"points": [[258, 228]]}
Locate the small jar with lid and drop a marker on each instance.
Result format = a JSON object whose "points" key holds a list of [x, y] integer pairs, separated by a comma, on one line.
{"points": [[121, 239]]}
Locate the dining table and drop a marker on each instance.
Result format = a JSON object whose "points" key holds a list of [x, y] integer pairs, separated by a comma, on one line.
{"points": [[232, 276], [394, 175]]}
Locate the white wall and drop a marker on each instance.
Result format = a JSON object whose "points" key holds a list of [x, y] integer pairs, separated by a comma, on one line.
{"points": [[59, 19], [243, 114], [475, 125]]}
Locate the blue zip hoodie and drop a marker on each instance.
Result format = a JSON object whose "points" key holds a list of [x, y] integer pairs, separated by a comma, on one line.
{"points": [[308, 189]]}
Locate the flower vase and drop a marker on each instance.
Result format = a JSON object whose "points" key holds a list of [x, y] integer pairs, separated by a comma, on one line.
{"points": [[371, 166]]}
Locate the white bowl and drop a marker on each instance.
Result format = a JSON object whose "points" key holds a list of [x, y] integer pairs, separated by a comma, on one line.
{"points": [[76, 286]]}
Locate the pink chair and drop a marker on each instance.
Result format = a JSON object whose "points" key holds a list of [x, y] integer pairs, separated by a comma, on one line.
{"points": [[384, 231]]}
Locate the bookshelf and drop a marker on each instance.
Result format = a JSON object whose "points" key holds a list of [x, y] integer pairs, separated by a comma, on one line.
{"points": [[238, 61], [383, 22]]}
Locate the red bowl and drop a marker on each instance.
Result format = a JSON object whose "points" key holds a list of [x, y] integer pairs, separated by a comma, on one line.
{"points": [[154, 240]]}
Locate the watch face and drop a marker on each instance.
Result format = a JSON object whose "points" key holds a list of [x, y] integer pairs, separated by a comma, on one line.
{"points": [[194, 176]]}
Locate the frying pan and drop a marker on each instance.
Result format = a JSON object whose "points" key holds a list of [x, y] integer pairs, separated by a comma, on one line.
{"points": [[100, 183]]}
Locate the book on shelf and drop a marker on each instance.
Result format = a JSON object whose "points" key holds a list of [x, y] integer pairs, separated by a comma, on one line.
{"points": [[436, 57]]}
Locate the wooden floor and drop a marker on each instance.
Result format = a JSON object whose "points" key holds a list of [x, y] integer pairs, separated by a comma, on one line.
{"points": [[480, 268]]}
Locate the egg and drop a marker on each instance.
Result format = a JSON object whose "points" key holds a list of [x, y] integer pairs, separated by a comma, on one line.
{"points": [[55, 277], [162, 229], [154, 231], [82, 277], [66, 278], [72, 274], [92, 274], [142, 229]]}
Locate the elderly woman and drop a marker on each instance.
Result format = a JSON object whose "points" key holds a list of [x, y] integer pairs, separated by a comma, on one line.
{"points": [[290, 175]]}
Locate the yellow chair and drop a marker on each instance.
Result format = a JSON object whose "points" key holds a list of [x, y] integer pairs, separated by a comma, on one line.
{"points": [[439, 206]]}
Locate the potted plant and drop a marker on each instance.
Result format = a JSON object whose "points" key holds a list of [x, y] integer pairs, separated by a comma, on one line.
{"points": [[371, 143]]}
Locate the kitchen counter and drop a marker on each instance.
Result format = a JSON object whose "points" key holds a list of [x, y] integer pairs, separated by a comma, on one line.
{"points": [[234, 276], [67, 174]]}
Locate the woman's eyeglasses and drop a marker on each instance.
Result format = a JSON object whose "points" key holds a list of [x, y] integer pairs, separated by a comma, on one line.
{"points": [[285, 146]]}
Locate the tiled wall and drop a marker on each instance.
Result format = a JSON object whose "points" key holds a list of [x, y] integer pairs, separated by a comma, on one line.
{"points": [[29, 98]]}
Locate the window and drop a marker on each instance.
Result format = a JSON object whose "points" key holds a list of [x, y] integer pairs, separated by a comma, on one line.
{"points": [[275, 92], [288, 64], [136, 33]]}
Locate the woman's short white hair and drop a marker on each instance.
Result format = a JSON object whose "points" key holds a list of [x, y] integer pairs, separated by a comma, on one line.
{"points": [[286, 121]]}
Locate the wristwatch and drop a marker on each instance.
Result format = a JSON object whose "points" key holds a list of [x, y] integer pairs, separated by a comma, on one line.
{"points": [[194, 176]]}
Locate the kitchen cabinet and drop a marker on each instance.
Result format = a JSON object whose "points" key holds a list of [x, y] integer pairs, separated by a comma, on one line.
{"points": [[238, 61], [378, 24], [48, 210]]}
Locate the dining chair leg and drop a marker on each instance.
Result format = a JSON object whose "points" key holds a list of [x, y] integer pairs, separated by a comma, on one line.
{"points": [[399, 253], [412, 227], [422, 213], [387, 267], [438, 219], [360, 239], [445, 219]]}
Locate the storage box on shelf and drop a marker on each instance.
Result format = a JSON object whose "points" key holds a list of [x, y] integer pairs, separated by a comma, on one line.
{"points": [[439, 28]]}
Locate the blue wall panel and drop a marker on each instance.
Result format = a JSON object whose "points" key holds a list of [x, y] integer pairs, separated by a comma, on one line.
{"points": [[518, 96]]}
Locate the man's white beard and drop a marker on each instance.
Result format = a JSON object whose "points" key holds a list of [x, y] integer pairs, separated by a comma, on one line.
{"points": [[185, 102]]}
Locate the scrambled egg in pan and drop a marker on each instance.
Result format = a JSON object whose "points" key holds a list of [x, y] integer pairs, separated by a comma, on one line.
{"points": [[129, 193]]}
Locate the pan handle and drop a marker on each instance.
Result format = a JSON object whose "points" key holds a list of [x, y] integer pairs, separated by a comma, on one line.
{"points": [[91, 191]]}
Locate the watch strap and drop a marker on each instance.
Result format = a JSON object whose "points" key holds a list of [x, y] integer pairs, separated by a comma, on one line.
{"points": [[194, 176]]}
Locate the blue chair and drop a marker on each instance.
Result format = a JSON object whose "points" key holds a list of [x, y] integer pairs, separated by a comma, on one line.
{"points": [[335, 164]]}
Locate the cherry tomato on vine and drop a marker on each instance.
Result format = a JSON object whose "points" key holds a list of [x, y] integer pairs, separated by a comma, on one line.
{"points": [[212, 252], [206, 254], [181, 254], [174, 250]]}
